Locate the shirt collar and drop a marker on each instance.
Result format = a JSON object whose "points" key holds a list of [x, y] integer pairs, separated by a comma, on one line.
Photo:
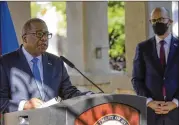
{"points": [[167, 39], [29, 57]]}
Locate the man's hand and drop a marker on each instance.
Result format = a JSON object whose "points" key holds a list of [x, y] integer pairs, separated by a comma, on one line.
{"points": [[168, 106], [33, 103], [161, 107], [156, 106]]}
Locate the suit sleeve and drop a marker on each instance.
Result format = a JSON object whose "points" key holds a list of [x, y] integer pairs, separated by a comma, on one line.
{"points": [[67, 90], [138, 74], [6, 103], [4, 91], [176, 96]]}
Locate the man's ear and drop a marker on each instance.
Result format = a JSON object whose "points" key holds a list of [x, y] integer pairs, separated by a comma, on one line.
{"points": [[170, 21], [24, 39]]}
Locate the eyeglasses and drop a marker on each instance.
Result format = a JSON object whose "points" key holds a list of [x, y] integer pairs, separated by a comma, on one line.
{"points": [[161, 19], [40, 34]]}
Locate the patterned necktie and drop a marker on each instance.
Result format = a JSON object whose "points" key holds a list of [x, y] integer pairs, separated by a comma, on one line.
{"points": [[163, 63]]}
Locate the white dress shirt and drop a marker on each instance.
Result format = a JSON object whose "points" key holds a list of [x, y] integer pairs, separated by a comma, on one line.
{"points": [[167, 49], [29, 58]]}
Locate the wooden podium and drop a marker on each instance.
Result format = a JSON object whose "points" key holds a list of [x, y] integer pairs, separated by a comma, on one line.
{"points": [[97, 109]]}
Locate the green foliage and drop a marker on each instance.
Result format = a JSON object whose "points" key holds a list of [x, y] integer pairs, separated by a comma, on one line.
{"points": [[60, 6], [116, 22], [60, 10], [35, 8]]}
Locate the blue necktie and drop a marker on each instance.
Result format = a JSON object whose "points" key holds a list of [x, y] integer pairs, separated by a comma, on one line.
{"points": [[37, 77], [35, 70]]}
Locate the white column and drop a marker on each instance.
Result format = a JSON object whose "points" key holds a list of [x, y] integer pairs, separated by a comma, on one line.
{"points": [[75, 34], [97, 43], [87, 30], [136, 29]]}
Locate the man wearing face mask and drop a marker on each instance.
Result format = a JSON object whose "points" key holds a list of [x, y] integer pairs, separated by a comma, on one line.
{"points": [[156, 71], [30, 76]]}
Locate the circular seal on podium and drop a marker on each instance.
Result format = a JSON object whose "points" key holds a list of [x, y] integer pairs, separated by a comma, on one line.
{"points": [[112, 119]]}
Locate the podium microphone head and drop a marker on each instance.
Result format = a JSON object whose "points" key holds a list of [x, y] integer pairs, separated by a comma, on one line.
{"points": [[67, 62]]}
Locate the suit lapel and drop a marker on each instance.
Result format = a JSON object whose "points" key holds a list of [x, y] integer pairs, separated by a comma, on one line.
{"points": [[24, 66], [155, 58], [47, 72], [172, 53], [47, 69]]}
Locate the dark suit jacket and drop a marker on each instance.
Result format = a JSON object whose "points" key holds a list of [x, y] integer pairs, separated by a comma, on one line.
{"points": [[17, 82], [148, 76]]}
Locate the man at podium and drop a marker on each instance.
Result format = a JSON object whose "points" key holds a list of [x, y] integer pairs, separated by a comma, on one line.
{"points": [[30, 76]]}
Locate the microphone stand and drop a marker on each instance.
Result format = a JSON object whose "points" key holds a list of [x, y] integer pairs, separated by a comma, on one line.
{"points": [[73, 66], [89, 80]]}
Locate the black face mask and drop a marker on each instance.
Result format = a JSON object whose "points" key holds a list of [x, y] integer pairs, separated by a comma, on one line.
{"points": [[160, 28]]}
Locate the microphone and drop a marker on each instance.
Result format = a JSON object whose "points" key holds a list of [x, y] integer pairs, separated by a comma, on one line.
{"points": [[73, 66]]}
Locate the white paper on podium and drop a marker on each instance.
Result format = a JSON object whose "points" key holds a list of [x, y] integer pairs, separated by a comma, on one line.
{"points": [[49, 103]]}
